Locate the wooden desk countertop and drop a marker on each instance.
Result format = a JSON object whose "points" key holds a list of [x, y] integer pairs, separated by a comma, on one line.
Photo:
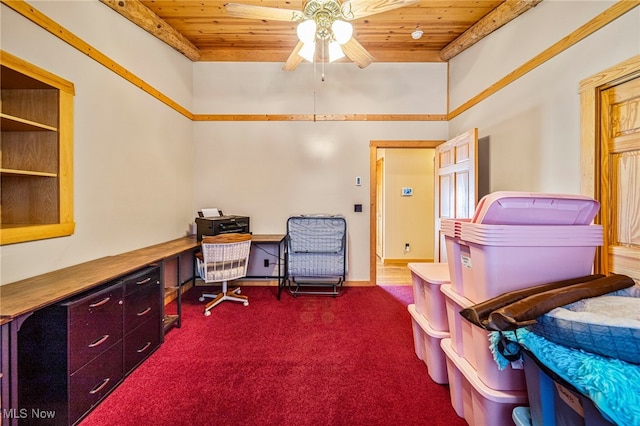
{"points": [[33, 293], [267, 238]]}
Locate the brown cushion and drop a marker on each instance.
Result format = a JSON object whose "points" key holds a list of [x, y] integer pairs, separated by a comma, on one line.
{"points": [[479, 313], [525, 311]]}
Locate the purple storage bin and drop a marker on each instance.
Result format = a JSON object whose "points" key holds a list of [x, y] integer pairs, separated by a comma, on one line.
{"points": [[530, 208]]}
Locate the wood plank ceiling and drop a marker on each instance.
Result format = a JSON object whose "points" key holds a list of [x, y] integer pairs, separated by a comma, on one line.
{"points": [[203, 31]]}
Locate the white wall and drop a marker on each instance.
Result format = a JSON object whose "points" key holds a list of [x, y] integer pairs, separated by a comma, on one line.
{"points": [[533, 125], [272, 170], [133, 155]]}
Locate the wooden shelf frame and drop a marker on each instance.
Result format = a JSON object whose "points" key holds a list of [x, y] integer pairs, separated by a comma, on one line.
{"points": [[37, 153]]}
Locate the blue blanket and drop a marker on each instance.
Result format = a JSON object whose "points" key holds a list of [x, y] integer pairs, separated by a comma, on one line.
{"points": [[613, 385]]}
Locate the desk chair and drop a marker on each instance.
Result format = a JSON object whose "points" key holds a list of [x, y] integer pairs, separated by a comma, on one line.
{"points": [[223, 258]]}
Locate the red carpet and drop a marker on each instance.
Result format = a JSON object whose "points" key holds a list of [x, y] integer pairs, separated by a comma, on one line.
{"points": [[313, 360]]}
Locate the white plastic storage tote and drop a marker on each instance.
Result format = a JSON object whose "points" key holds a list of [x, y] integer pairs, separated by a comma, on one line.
{"points": [[429, 300], [472, 343], [475, 401], [426, 343]]}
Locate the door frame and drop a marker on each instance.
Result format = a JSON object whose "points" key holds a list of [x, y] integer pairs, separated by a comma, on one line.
{"points": [[373, 202], [379, 190], [590, 129]]}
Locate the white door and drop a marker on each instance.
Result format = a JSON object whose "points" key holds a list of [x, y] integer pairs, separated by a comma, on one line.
{"points": [[456, 184]]}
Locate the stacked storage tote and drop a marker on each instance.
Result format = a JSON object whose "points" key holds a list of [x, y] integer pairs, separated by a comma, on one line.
{"points": [[515, 240], [429, 317]]}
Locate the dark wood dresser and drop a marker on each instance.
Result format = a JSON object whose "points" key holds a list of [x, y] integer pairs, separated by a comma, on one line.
{"points": [[72, 354], [69, 337]]}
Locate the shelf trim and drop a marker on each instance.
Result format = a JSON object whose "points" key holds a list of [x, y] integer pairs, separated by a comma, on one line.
{"points": [[33, 71], [19, 233]]}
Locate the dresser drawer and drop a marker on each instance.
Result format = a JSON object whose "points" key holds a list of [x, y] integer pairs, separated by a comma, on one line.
{"points": [[141, 342], [96, 306], [94, 381], [142, 305], [95, 324], [145, 277]]}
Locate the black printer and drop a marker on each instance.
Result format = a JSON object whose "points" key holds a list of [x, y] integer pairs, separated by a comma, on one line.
{"points": [[221, 225]]}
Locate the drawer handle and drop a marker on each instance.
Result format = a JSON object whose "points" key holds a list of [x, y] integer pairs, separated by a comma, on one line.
{"points": [[146, 280], [145, 312], [99, 341], [100, 303], [99, 387], [144, 348]]}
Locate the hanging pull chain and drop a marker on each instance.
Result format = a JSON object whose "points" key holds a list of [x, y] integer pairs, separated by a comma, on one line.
{"points": [[315, 66], [323, 43]]}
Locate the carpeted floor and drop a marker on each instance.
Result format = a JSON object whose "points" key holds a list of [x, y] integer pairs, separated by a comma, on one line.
{"points": [[312, 360]]}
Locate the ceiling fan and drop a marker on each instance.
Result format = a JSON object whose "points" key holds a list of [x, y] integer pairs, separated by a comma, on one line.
{"points": [[324, 24]]}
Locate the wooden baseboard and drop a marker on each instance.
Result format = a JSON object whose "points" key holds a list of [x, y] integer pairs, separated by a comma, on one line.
{"points": [[258, 283], [358, 284], [405, 261], [253, 283]]}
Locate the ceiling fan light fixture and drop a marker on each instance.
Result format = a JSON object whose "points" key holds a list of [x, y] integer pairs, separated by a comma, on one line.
{"points": [[342, 31], [335, 51], [307, 31], [308, 51]]}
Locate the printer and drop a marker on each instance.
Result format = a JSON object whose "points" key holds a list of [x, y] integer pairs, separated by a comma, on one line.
{"points": [[216, 225]]}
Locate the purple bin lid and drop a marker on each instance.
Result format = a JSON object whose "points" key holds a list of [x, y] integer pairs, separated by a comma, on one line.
{"points": [[529, 208]]}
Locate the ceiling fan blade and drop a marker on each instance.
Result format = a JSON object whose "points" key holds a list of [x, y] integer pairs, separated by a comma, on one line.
{"points": [[294, 59], [264, 13], [358, 54], [356, 9]]}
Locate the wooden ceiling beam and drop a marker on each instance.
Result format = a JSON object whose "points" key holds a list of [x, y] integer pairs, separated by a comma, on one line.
{"points": [[495, 19], [146, 19]]}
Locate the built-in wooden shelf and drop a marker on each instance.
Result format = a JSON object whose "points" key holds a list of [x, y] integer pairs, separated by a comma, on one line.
{"points": [[36, 165]]}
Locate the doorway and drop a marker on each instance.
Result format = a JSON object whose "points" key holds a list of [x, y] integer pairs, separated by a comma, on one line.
{"points": [[392, 273], [387, 274]]}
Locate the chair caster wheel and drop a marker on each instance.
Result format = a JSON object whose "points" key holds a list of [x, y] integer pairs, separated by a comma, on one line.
{"points": [[201, 298], [245, 303], [207, 313]]}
